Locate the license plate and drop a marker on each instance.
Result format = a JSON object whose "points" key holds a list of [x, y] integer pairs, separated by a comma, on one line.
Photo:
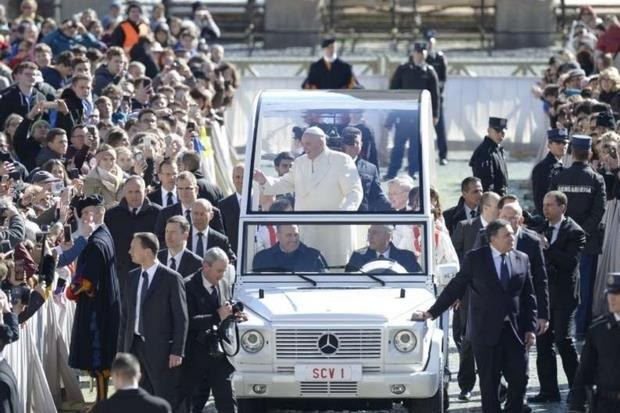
{"points": [[329, 372]]}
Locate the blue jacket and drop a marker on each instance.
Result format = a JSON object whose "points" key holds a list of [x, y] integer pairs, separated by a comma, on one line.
{"points": [[59, 42]]}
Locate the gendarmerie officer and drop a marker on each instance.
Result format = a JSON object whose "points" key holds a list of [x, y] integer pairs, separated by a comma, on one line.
{"points": [[437, 59], [330, 72], [487, 161], [551, 165], [600, 364], [415, 74], [585, 190]]}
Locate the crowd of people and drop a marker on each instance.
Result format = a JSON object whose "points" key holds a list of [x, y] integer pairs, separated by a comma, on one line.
{"points": [[111, 198]]}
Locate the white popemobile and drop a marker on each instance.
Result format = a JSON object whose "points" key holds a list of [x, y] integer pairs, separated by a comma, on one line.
{"points": [[332, 335]]}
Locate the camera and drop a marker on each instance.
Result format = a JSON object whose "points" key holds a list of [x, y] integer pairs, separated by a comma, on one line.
{"points": [[237, 307]]}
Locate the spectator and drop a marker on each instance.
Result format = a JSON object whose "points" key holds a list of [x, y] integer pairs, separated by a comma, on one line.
{"points": [[127, 33], [609, 41], [10, 126], [111, 72], [56, 148], [77, 100], [204, 21], [67, 36], [107, 178], [610, 88], [21, 97], [58, 74]]}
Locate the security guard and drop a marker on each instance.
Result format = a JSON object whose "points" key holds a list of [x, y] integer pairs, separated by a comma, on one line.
{"points": [[487, 161], [437, 59], [551, 165], [585, 190], [415, 74], [330, 72], [600, 364]]}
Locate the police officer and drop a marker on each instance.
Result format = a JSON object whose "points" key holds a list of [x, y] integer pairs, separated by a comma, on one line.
{"points": [[487, 161], [551, 165], [437, 59], [415, 74], [585, 190], [600, 364], [330, 72]]}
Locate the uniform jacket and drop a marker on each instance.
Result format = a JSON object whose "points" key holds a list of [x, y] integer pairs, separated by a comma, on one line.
{"points": [[338, 76], [424, 77], [97, 264], [132, 400], [488, 164], [229, 207], [438, 61], [330, 182], [489, 302], [585, 190], [365, 255], [122, 224], [303, 259], [541, 178], [562, 260], [374, 197], [190, 262]]}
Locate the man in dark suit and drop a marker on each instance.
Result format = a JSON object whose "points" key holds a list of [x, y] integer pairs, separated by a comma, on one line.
{"points": [[463, 239], [374, 197], [502, 314], [10, 400], [153, 332], [551, 165], [208, 296], [468, 205], [487, 162], [201, 235], [380, 247], [289, 254], [129, 397], [166, 194], [329, 72], [133, 214], [187, 190], [563, 242], [230, 208], [190, 162], [176, 256], [96, 290]]}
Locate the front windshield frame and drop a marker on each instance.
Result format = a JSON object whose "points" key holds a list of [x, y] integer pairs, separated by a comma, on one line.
{"points": [[392, 100]]}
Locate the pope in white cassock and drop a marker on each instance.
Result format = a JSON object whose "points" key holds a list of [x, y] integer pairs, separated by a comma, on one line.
{"points": [[322, 180]]}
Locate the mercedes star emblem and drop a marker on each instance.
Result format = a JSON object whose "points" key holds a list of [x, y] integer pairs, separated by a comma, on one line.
{"points": [[328, 343]]}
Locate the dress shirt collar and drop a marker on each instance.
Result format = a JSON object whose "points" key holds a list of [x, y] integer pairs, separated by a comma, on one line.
{"points": [[617, 316], [133, 386], [177, 258], [386, 253], [496, 253], [483, 222], [238, 197], [208, 286], [557, 224], [151, 270], [165, 192]]}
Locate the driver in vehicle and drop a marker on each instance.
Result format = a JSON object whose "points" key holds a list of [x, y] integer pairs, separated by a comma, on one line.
{"points": [[380, 247], [289, 254]]}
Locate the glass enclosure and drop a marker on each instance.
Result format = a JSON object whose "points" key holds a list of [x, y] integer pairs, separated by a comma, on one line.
{"points": [[323, 184]]}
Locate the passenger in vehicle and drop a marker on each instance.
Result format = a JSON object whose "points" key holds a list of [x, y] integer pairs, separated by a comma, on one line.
{"points": [[289, 254], [380, 247]]}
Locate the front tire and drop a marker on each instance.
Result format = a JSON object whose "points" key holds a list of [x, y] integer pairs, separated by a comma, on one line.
{"points": [[251, 406], [429, 405]]}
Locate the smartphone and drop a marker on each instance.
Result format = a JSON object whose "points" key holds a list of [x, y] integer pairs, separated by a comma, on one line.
{"points": [[73, 173], [67, 233], [57, 187], [50, 105]]}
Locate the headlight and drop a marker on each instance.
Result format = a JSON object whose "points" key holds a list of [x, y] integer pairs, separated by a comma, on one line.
{"points": [[405, 341], [252, 341]]}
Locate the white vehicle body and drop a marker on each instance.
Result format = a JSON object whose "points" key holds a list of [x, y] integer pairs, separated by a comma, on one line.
{"points": [[333, 336]]}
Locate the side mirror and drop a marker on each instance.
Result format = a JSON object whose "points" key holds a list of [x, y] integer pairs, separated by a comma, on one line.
{"points": [[445, 273]]}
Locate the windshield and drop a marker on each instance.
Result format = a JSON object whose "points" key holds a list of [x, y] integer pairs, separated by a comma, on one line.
{"points": [[327, 248], [320, 149]]}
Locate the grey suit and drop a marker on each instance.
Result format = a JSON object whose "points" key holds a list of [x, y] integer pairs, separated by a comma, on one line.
{"points": [[165, 323]]}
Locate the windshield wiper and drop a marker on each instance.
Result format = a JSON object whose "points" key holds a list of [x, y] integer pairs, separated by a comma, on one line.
{"points": [[372, 276], [286, 270]]}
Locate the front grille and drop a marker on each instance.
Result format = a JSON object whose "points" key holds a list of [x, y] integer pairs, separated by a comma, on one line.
{"points": [[299, 344], [309, 388]]}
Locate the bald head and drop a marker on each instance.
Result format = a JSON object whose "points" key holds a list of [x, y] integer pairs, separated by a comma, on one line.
{"points": [[513, 213], [489, 203], [313, 141], [238, 177]]}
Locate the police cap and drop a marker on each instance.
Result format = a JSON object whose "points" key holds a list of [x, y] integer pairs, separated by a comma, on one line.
{"points": [[419, 47], [91, 200], [581, 142], [327, 42], [499, 124], [613, 283], [557, 135]]}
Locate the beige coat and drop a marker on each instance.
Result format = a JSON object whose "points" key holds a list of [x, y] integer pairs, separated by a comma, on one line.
{"points": [[112, 194]]}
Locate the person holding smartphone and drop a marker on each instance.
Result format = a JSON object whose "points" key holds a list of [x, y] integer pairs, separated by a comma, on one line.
{"points": [[13, 228]]}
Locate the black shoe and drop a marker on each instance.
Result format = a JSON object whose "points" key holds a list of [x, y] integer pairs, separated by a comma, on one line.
{"points": [[443, 161], [464, 396], [544, 398], [526, 409]]}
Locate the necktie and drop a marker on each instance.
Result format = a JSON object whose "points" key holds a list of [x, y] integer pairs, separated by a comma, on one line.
{"points": [[169, 201], [134, 211], [143, 291], [381, 257], [213, 294], [199, 245], [504, 274], [473, 214], [173, 264], [188, 215], [549, 233]]}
